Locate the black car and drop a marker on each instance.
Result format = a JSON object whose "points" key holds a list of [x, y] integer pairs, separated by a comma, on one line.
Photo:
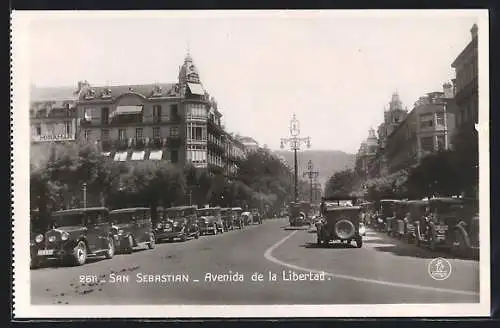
{"points": [[133, 227], [210, 221], [236, 214], [177, 223], [75, 235]]}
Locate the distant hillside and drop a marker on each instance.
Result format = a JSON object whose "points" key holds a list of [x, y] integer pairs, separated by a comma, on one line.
{"points": [[326, 162]]}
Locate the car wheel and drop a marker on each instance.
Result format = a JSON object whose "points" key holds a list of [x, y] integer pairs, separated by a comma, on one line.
{"points": [[152, 241], [184, 237], [80, 253], [359, 242], [197, 235], [110, 252]]}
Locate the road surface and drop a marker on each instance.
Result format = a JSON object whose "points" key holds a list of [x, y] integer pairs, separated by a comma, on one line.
{"points": [[384, 270]]}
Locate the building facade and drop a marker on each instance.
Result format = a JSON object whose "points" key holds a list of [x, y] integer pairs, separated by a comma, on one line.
{"points": [[466, 82], [427, 129], [177, 123], [366, 164]]}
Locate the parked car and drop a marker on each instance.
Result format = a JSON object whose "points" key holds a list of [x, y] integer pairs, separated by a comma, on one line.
{"points": [[415, 210], [237, 219], [397, 228], [247, 218], [340, 221], [177, 223], [133, 227], [438, 226], [228, 218], [385, 214], [210, 220], [466, 236], [256, 217], [74, 235]]}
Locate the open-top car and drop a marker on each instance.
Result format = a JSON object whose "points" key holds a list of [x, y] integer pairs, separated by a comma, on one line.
{"points": [[74, 235], [228, 217], [340, 221], [177, 223], [238, 221], [210, 220], [133, 227], [438, 225]]}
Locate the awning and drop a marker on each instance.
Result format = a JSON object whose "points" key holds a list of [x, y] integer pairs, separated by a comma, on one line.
{"points": [[121, 156], [156, 155], [127, 110], [138, 155], [107, 153], [196, 89]]}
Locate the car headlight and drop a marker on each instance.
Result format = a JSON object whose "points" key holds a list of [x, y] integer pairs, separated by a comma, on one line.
{"points": [[176, 224], [64, 236], [159, 226], [39, 238]]}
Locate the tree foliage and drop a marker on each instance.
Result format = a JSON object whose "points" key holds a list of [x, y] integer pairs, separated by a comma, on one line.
{"points": [[341, 183]]}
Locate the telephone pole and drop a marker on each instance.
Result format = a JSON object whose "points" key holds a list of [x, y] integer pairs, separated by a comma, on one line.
{"points": [[311, 175], [295, 142]]}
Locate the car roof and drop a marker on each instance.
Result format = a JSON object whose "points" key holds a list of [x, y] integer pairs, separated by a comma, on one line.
{"points": [[81, 210], [129, 210], [180, 208], [236, 208], [209, 208], [417, 202], [341, 208], [226, 209], [446, 200]]}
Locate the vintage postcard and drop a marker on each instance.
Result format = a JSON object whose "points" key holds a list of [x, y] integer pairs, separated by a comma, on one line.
{"points": [[184, 164]]}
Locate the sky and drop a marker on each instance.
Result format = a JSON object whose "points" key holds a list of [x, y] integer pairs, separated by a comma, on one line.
{"points": [[335, 70]]}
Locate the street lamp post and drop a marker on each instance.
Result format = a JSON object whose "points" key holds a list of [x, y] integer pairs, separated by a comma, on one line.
{"points": [[84, 195], [311, 175], [295, 142]]}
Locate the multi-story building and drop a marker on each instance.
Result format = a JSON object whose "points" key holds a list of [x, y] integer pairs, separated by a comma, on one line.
{"points": [[393, 116], [466, 82], [177, 123], [366, 164], [52, 114], [425, 130]]}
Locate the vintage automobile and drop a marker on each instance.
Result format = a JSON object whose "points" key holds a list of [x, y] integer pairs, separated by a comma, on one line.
{"points": [[133, 227], [298, 214], [415, 210], [385, 214], [75, 235], [256, 217], [366, 212], [210, 220], [238, 220], [247, 218], [228, 218], [340, 221], [438, 225], [397, 223], [466, 237], [177, 223]]}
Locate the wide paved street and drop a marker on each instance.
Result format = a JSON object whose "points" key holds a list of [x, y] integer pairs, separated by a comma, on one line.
{"points": [[384, 270]]}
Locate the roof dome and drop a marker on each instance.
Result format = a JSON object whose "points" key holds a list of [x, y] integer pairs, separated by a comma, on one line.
{"points": [[188, 71]]}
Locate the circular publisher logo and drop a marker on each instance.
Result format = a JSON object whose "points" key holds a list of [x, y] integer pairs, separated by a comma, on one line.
{"points": [[439, 269]]}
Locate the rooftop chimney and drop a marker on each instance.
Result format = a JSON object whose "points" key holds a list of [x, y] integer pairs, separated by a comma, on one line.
{"points": [[473, 31]]}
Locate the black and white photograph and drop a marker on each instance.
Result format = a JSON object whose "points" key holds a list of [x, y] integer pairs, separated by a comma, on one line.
{"points": [[291, 163]]}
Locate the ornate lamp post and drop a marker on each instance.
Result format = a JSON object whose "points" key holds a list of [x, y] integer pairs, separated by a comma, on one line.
{"points": [[295, 142], [311, 175]]}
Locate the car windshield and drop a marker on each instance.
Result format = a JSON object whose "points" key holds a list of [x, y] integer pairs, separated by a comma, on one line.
{"points": [[226, 213], [178, 213], [74, 219], [388, 208], [207, 212], [450, 209], [126, 217]]}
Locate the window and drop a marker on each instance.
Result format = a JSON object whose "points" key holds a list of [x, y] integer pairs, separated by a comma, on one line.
{"points": [[426, 121], [440, 118], [174, 131], [87, 134], [138, 133], [105, 115], [197, 133], [122, 134], [157, 113], [156, 132], [68, 128], [174, 156], [427, 144], [441, 143], [38, 129], [105, 134], [174, 112]]}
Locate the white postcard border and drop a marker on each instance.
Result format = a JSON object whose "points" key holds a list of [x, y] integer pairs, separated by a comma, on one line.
{"points": [[20, 195]]}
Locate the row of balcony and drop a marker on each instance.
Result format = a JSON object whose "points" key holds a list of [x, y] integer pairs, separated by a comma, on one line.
{"points": [[119, 121]]}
